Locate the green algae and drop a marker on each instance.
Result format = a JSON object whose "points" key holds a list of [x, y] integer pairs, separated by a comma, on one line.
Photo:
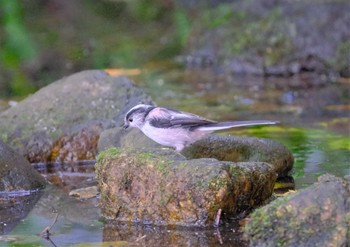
{"points": [[111, 152], [309, 216], [262, 220], [4, 137]]}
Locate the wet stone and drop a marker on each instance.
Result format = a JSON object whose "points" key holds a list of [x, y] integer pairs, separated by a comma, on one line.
{"points": [[160, 186], [130, 138], [315, 216], [63, 121], [85, 193], [16, 174], [243, 149]]}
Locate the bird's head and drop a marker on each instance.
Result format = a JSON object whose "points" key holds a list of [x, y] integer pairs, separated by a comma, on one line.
{"points": [[135, 117]]}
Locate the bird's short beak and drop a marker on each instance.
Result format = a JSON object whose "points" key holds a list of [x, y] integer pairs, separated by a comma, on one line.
{"points": [[126, 126]]}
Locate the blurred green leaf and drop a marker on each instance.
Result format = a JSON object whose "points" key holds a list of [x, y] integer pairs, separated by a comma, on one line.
{"points": [[18, 48], [17, 40], [183, 25]]}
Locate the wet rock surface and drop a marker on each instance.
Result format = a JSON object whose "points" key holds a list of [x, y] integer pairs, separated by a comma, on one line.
{"points": [[16, 174], [19, 188], [160, 186], [243, 149], [63, 121], [315, 216]]}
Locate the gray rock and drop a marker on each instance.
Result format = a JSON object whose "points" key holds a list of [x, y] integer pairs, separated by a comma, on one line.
{"points": [[130, 138], [15, 208], [277, 38], [16, 174], [160, 186], [316, 216], [63, 121], [243, 149]]}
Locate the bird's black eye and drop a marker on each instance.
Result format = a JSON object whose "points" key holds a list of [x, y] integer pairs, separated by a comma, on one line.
{"points": [[130, 120]]}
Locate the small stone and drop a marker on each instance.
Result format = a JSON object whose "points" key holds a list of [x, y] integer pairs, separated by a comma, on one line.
{"points": [[85, 193]]}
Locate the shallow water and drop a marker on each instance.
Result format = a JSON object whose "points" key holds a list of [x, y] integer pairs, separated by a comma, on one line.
{"points": [[314, 125]]}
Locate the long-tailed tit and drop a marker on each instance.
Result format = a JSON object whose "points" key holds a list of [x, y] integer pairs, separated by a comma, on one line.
{"points": [[176, 128]]}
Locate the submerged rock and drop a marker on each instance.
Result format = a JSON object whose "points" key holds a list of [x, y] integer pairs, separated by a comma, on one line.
{"points": [[84, 193], [63, 120], [316, 216], [160, 186], [16, 174]]}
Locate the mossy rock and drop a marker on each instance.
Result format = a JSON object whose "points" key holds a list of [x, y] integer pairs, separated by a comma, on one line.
{"points": [[243, 149], [63, 120], [160, 186], [315, 216], [277, 38]]}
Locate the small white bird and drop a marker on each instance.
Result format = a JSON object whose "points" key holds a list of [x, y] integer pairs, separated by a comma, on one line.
{"points": [[176, 128]]}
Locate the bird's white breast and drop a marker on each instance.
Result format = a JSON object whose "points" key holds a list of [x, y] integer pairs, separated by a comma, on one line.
{"points": [[173, 137]]}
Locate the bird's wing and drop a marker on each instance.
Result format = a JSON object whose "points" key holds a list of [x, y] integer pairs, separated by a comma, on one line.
{"points": [[161, 117]]}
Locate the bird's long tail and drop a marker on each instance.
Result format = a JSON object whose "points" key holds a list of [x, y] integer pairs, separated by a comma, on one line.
{"points": [[234, 124]]}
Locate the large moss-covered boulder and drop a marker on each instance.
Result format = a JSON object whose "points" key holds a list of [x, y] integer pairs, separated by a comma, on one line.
{"points": [[316, 216], [160, 186], [63, 120], [16, 174]]}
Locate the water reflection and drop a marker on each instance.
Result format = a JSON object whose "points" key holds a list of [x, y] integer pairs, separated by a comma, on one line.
{"points": [[77, 221], [68, 176], [14, 207], [146, 235]]}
